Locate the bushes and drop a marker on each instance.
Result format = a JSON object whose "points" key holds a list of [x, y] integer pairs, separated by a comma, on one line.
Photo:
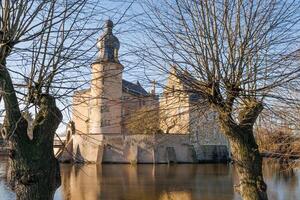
{"points": [[281, 143]]}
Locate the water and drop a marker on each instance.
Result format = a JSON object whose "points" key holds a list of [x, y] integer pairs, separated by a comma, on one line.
{"points": [[161, 182]]}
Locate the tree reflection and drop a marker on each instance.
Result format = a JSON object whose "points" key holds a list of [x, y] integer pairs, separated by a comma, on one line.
{"points": [[282, 179]]}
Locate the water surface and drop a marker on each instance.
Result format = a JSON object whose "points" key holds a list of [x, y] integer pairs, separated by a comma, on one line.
{"points": [[160, 182]]}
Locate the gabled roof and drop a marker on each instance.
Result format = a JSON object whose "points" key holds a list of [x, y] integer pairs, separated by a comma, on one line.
{"points": [[132, 88], [135, 89]]}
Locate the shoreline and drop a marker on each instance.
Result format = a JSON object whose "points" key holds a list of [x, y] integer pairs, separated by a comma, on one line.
{"points": [[279, 156]]}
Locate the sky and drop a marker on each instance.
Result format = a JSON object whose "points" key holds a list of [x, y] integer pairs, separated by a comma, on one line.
{"points": [[123, 14]]}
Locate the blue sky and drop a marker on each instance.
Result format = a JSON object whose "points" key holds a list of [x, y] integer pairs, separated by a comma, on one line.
{"points": [[123, 14]]}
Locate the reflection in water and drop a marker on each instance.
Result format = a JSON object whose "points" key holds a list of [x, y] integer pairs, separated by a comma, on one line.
{"points": [[283, 182], [146, 182], [161, 182], [5, 192], [79, 183]]}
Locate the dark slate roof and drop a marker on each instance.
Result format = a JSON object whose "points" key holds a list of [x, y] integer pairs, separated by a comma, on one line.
{"points": [[135, 89]]}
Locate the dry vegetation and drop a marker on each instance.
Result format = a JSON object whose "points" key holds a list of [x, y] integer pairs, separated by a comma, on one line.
{"points": [[143, 121], [282, 143]]}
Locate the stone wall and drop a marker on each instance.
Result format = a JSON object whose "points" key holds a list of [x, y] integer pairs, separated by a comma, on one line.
{"points": [[205, 129], [87, 148], [160, 148], [148, 149], [80, 110]]}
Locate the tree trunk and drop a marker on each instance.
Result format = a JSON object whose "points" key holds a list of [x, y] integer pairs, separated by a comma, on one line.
{"points": [[33, 169], [34, 172], [248, 163]]}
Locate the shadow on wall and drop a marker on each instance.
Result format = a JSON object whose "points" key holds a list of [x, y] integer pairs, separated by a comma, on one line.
{"points": [[143, 149]]}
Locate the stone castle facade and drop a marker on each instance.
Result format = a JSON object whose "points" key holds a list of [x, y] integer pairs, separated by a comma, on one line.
{"points": [[100, 112]]}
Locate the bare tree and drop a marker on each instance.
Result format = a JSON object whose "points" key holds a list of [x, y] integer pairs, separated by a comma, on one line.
{"points": [[143, 121], [42, 50], [277, 135], [237, 55]]}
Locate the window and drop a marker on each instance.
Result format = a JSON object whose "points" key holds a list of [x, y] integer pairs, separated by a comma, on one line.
{"points": [[105, 122], [124, 98], [123, 112], [173, 90], [104, 108]]}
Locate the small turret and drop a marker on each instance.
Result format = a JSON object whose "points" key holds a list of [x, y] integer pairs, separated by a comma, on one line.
{"points": [[108, 45]]}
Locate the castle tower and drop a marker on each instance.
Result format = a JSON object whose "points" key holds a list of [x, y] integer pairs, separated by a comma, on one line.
{"points": [[106, 86]]}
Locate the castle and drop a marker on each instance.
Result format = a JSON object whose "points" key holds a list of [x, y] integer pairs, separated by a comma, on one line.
{"points": [[100, 132]]}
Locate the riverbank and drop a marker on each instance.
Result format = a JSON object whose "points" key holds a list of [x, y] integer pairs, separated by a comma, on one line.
{"points": [[276, 156]]}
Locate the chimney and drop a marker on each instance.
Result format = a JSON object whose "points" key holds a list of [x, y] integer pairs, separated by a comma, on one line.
{"points": [[153, 87]]}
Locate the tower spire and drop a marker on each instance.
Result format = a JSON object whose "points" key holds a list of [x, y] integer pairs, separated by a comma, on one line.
{"points": [[108, 45]]}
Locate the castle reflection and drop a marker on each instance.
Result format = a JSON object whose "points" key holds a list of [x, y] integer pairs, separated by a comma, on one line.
{"points": [[146, 182], [161, 182]]}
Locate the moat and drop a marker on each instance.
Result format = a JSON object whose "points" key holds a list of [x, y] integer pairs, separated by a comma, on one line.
{"points": [[160, 182]]}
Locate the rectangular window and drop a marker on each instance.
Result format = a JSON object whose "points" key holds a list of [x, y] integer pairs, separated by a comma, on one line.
{"points": [[104, 109], [105, 122]]}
